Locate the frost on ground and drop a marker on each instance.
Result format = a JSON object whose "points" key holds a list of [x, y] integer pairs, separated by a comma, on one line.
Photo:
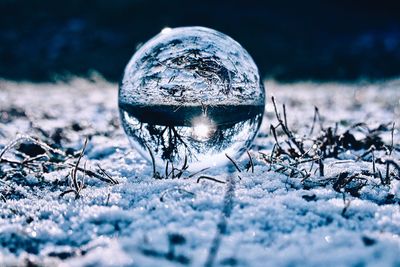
{"points": [[276, 216]]}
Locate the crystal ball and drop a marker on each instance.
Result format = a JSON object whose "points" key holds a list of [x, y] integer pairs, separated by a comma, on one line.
{"points": [[189, 96]]}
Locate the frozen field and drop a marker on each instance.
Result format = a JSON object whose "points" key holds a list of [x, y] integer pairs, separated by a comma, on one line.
{"points": [[286, 213]]}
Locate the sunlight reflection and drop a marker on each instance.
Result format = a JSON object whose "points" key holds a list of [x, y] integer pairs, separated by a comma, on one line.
{"points": [[166, 30], [203, 128]]}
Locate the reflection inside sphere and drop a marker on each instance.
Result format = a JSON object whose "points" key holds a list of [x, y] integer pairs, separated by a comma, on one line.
{"points": [[191, 95], [202, 128]]}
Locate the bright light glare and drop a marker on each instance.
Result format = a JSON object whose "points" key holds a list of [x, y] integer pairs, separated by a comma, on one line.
{"points": [[166, 30], [202, 129]]}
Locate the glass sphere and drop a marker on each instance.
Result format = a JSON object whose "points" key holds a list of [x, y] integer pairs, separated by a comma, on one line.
{"points": [[189, 96]]}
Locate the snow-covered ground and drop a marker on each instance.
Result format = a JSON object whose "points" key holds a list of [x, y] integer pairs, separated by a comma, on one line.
{"points": [[265, 219]]}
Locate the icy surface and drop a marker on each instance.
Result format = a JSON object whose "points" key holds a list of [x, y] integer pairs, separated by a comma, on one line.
{"points": [[274, 221]]}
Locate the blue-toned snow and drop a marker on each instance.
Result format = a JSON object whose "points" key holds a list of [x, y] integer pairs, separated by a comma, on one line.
{"points": [[128, 224]]}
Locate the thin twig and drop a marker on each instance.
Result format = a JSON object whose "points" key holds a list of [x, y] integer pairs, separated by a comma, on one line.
{"points": [[250, 162], [195, 173], [392, 140], [112, 180], [209, 178], [286, 130], [234, 163]]}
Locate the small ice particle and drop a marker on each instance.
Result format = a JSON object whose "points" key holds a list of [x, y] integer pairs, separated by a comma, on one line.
{"points": [[328, 239]]}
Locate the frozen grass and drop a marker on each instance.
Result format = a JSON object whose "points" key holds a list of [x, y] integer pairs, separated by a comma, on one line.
{"points": [[315, 194]]}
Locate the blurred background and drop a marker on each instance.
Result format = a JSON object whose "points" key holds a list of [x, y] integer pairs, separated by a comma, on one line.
{"points": [[45, 40]]}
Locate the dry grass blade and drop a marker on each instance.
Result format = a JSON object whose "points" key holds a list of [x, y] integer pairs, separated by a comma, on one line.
{"points": [[396, 166], [53, 153], [77, 185], [3, 198], [69, 191], [111, 179], [209, 178], [75, 170], [329, 143], [285, 129], [321, 167], [316, 117], [180, 171], [250, 165], [284, 116], [233, 162], [392, 139], [166, 169], [195, 173]]}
